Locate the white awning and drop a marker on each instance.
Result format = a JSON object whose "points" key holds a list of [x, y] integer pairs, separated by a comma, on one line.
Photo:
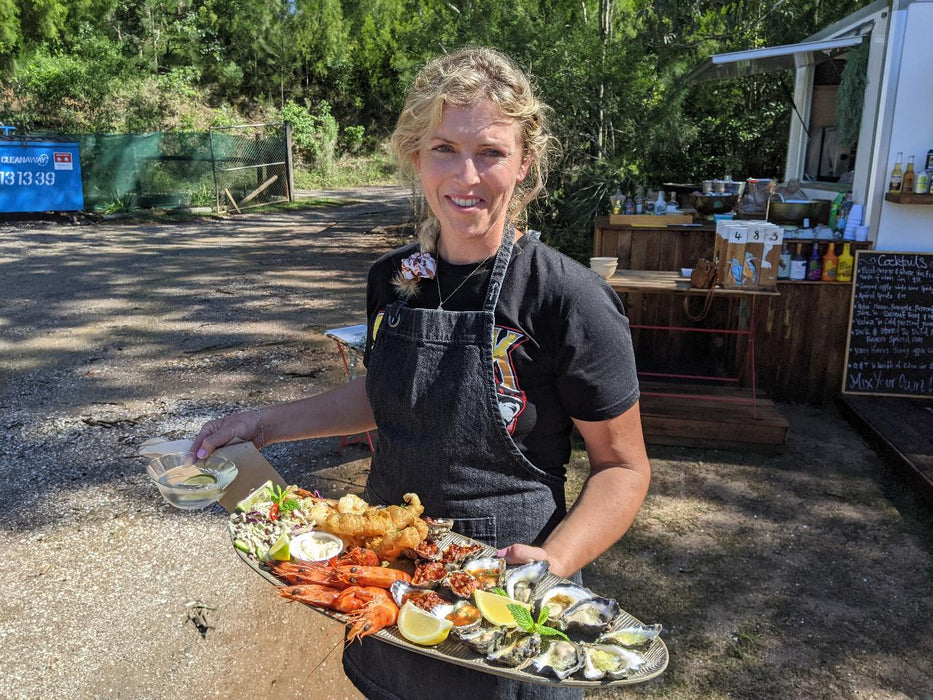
{"points": [[741, 63]]}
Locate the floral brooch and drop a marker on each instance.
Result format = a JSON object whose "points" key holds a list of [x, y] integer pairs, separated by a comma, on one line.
{"points": [[419, 266]]}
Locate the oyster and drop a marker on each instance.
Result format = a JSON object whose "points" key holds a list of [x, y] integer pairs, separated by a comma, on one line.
{"points": [[517, 649], [602, 660], [425, 598], [590, 616], [482, 640], [461, 584], [465, 615], [631, 636], [561, 597], [559, 658], [521, 582], [487, 570]]}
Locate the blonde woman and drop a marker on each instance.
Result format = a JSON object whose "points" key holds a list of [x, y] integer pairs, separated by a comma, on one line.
{"points": [[485, 349]]}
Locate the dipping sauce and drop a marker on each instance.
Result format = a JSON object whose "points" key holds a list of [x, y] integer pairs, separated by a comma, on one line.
{"points": [[315, 546]]}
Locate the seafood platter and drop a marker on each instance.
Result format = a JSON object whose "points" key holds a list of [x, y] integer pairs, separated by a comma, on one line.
{"points": [[389, 573]]}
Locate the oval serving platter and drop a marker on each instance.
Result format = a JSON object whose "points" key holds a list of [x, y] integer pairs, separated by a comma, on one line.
{"points": [[452, 651]]}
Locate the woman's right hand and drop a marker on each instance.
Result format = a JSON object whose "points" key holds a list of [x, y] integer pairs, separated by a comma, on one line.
{"points": [[245, 426]]}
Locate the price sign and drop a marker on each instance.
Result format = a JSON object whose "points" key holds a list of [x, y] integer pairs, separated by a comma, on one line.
{"points": [[40, 176]]}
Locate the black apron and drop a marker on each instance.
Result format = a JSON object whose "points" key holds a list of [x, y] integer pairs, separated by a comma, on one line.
{"points": [[432, 389]]}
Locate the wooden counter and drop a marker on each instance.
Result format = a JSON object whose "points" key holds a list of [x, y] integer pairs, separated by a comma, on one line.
{"points": [[800, 335]]}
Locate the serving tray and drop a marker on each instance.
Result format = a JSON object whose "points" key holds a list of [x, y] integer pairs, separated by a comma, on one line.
{"points": [[452, 651]]}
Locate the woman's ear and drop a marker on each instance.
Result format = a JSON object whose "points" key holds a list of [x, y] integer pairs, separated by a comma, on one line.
{"points": [[416, 161], [525, 166]]}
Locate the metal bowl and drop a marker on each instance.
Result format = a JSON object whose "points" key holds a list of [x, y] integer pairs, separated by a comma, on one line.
{"points": [[794, 212], [713, 203]]}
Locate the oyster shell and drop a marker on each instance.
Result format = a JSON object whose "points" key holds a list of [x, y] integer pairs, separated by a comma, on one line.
{"points": [[590, 616], [465, 615], [560, 658], [487, 570], [602, 660], [559, 598], [483, 640], [517, 650], [631, 636], [425, 598], [521, 582]]}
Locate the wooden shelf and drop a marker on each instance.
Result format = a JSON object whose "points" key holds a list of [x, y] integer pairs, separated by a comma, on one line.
{"points": [[908, 198]]}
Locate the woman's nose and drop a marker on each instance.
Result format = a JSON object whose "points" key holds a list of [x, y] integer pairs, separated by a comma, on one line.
{"points": [[468, 172]]}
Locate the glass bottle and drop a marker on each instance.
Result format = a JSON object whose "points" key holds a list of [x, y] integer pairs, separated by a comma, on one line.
{"points": [[814, 266], [805, 231], [629, 206], [844, 267], [830, 263], [672, 203], [907, 184], [616, 200], [923, 182], [798, 264], [783, 272], [639, 202], [897, 175], [660, 207]]}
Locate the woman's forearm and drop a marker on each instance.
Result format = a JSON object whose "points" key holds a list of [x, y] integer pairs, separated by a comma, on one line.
{"points": [[343, 410]]}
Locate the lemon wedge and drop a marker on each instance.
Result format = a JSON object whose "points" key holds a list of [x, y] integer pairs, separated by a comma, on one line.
{"points": [[494, 608], [280, 550], [260, 495], [420, 627]]}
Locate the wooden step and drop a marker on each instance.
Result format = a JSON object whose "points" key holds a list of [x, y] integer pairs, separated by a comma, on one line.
{"points": [[704, 416]]}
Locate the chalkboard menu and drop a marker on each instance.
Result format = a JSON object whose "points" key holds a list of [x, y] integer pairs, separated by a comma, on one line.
{"points": [[890, 346]]}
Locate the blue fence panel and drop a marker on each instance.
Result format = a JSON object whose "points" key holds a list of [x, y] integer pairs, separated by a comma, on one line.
{"points": [[40, 176]]}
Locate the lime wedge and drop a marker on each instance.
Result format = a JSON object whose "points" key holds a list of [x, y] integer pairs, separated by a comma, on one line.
{"points": [[260, 495], [279, 551], [200, 480]]}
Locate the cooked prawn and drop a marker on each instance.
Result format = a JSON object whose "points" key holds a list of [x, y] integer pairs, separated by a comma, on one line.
{"points": [[379, 576]]}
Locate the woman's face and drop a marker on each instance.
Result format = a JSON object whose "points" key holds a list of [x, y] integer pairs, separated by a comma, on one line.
{"points": [[469, 166]]}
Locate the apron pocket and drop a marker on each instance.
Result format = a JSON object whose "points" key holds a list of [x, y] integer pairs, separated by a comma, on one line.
{"points": [[480, 529]]}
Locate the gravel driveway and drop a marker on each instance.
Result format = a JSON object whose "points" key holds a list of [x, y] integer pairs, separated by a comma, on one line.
{"points": [[802, 575]]}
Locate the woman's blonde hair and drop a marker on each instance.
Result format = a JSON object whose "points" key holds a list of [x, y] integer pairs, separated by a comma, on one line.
{"points": [[463, 78]]}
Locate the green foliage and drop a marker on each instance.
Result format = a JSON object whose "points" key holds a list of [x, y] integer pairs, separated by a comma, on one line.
{"points": [[314, 134], [351, 138]]}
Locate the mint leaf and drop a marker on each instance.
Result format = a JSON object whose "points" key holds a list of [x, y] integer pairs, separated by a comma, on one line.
{"points": [[542, 616], [522, 617], [499, 591], [546, 631]]}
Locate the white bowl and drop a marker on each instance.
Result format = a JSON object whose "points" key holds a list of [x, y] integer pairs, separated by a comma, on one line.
{"points": [[315, 546], [604, 267]]}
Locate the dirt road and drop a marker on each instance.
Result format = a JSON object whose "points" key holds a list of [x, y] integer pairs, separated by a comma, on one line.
{"points": [[803, 575]]}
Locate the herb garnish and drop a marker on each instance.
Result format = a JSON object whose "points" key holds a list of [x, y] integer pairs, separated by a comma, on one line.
{"points": [[281, 503], [524, 620]]}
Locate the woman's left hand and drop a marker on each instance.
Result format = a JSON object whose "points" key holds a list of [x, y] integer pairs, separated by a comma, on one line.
{"points": [[525, 553]]}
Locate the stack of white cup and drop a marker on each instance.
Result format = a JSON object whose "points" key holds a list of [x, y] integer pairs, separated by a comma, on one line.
{"points": [[853, 222]]}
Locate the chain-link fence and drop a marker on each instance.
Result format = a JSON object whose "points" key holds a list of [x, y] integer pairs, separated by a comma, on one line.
{"points": [[234, 167], [252, 164]]}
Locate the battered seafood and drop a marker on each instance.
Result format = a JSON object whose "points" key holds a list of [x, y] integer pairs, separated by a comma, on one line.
{"points": [[388, 531]]}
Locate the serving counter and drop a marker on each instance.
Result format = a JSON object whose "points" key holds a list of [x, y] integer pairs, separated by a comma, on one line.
{"points": [[800, 333]]}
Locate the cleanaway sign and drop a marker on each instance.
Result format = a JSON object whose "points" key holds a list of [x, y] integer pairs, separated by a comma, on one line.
{"points": [[40, 176]]}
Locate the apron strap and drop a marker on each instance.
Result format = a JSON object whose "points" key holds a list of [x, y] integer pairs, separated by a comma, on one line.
{"points": [[499, 268]]}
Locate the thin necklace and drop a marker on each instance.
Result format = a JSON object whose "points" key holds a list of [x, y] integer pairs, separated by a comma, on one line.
{"points": [[437, 278]]}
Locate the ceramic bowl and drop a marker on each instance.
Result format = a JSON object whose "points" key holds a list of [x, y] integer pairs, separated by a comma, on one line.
{"points": [[604, 267]]}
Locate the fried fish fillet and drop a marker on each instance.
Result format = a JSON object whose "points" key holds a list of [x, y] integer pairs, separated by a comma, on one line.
{"points": [[388, 531]]}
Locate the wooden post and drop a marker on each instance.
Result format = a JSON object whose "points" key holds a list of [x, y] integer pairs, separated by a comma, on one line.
{"points": [[289, 168]]}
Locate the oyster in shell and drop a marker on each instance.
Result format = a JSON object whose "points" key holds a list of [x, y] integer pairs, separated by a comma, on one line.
{"points": [[590, 616], [517, 650], [630, 636], [481, 639], [521, 582], [609, 660], [560, 658], [487, 570], [425, 598], [559, 598]]}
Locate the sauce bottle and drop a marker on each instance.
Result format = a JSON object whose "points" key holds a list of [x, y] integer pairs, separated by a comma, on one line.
{"points": [[814, 268], [806, 231], [830, 263], [798, 264], [844, 268], [660, 207]]}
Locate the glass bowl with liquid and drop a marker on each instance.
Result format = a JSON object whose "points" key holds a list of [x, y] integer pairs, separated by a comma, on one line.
{"points": [[191, 486]]}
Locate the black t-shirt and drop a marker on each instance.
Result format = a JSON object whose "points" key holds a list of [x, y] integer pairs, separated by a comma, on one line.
{"points": [[562, 349]]}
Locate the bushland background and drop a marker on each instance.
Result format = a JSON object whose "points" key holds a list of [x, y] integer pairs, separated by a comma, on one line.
{"points": [[338, 69]]}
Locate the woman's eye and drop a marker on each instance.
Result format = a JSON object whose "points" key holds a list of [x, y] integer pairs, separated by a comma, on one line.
{"points": [[493, 153], [443, 148]]}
